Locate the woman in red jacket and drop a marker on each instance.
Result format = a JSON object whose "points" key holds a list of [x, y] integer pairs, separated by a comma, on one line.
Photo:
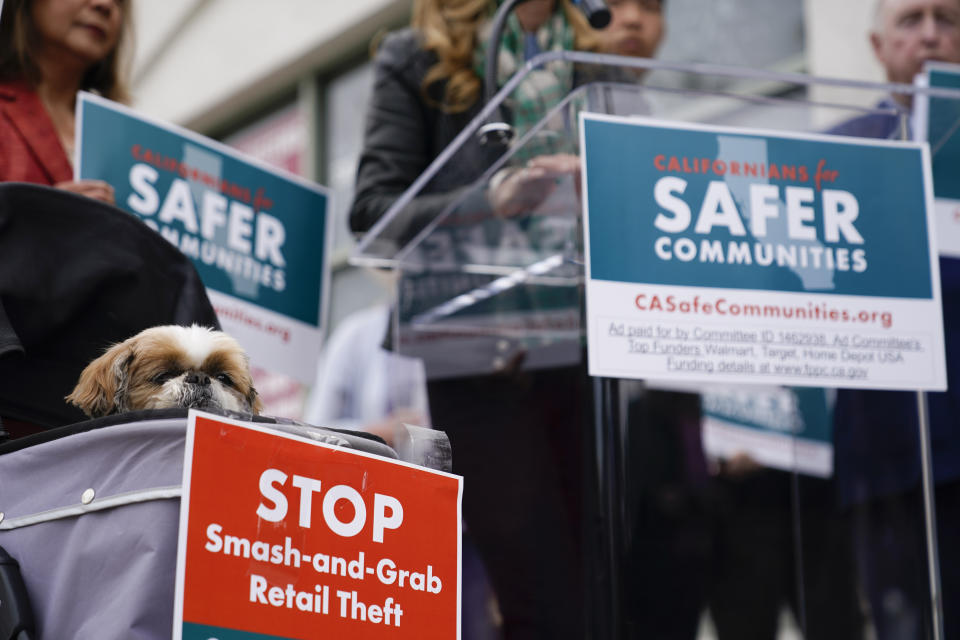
{"points": [[50, 50]]}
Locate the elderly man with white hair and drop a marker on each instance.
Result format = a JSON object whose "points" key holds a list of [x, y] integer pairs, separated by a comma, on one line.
{"points": [[905, 35]]}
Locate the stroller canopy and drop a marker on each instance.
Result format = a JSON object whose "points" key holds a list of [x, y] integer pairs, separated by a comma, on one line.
{"points": [[76, 276]]}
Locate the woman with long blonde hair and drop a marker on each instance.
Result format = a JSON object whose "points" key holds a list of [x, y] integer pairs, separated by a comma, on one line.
{"points": [[451, 30], [428, 85], [515, 435]]}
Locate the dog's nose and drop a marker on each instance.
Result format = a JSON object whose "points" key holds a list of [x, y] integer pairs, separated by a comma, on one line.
{"points": [[198, 377]]}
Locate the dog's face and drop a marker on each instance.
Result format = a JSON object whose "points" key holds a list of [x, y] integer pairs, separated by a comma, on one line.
{"points": [[165, 367]]}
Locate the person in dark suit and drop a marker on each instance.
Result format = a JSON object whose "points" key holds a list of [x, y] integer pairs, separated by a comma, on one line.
{"points": [[876, 433]]}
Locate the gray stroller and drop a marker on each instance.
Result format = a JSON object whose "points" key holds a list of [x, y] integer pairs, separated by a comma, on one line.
{"points": [[90, 513]]}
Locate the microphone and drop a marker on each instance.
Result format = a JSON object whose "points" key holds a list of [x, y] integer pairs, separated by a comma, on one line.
{"points": [[596, 11]]}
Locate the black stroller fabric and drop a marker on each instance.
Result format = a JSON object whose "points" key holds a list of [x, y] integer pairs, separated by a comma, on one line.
{"points": [[76, 276]]}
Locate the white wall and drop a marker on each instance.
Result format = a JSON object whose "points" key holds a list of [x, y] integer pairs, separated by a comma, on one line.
{"points": [[200, 60], [838, 46]]}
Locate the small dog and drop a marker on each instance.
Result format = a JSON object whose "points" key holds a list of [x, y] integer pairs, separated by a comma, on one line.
{"points": [[165, 367]]}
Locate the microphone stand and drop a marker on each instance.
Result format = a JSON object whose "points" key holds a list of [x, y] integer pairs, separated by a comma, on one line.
{"points": [[497, 132]]}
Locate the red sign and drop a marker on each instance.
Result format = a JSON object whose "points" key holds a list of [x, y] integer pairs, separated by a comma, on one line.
{"points": [[291, 538]]}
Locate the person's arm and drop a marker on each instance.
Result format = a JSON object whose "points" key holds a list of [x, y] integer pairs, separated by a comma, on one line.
{"points": [[396, 147], [403, 136], [27, 157], [519, 190]]}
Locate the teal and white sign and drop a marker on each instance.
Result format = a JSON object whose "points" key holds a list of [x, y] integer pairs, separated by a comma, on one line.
{"points": [[937, 120], [788, 428], [257, 235], [729, 255]]}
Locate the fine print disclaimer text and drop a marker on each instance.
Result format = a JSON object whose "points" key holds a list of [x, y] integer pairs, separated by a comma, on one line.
{"points": [[798, 354]]}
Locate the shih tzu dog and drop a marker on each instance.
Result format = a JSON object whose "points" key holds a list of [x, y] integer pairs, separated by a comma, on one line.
{"points": [[165, 367]]}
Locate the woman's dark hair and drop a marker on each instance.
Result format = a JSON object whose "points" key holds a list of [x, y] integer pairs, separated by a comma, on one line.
{"points": [[19, 42]]}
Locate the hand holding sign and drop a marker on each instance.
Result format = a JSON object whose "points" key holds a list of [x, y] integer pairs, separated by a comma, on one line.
{"points": [[96, 189]]}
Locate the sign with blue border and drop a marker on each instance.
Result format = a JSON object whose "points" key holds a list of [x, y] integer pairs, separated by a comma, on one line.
{"points": [[257, 235], [937, 120], [717, 254], [787, 428]]}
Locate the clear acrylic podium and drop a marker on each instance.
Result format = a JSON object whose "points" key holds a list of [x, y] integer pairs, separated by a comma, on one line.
{"points": [[716, 547]]}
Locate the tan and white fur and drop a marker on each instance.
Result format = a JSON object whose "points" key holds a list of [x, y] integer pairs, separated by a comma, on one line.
{"points": [[165, 367]]}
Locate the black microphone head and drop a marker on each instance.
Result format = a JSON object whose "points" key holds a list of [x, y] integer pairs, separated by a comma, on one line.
{"points": [[599, 19], [596, 11]]}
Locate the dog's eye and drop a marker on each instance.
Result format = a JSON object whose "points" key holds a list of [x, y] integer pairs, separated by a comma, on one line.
{"points": [[163, 377], [225, 379]]}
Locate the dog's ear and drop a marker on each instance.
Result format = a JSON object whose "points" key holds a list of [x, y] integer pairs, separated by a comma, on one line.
{"points": [[256, 404], [103, 382]]}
